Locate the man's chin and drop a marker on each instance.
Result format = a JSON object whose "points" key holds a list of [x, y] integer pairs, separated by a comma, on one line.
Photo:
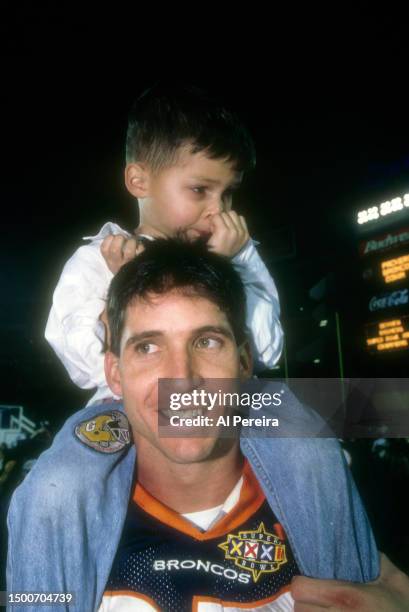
{"points": [[188, 450], [194, 450]]}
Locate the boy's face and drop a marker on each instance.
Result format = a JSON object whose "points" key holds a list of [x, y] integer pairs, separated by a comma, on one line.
{"points": [[184, 196]]}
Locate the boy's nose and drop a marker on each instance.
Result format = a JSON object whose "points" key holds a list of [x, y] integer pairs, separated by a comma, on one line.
{"points": [[215, 207]]}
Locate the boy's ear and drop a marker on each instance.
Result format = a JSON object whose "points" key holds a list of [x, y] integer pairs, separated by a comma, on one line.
{"points": [[245, 360], [112, 373], [137, 180]]}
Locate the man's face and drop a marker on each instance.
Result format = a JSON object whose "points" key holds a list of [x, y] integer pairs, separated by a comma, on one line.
{"points": [[173, 335], [187, 195]]}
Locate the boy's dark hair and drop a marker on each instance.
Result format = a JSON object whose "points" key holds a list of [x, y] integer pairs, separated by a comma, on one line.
{"points": [[168, 264], [165, 118]]}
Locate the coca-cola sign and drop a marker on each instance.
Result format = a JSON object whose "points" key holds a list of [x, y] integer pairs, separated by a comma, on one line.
{"points": [[387, 300]]}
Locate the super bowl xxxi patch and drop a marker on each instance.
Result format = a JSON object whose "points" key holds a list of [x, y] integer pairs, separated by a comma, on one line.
{"points": [[108, 432], [257, 551]]}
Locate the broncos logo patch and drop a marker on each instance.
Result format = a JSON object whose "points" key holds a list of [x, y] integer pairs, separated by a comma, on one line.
{"points": [[106, 433]]}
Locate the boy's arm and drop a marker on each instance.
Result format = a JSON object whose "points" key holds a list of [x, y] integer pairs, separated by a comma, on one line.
{"points": [[74, 328], [263, 307], [230, 237], [77, 326]]}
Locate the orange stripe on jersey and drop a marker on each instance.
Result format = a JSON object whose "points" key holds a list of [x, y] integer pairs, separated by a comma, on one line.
{"points": [[249, 605], [279, 531], [251, 498]]}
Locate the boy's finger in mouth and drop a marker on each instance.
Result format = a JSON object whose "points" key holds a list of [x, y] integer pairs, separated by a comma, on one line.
{"points": [[196, 234]]}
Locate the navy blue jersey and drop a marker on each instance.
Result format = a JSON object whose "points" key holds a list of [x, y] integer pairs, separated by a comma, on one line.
{"points": [[165, 563]]}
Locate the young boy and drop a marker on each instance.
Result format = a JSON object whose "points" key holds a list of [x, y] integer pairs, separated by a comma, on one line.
{"points": [[186, 155]]}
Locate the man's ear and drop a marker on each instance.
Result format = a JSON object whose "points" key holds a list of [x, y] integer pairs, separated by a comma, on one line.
{"points": [[245, 360], [137, 179], [112, 373]]}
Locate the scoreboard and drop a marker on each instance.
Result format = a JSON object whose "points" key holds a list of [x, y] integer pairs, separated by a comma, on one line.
{"points": [[385, 275]]}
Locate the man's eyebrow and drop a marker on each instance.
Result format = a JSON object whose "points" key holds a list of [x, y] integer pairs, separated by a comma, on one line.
{"points": [[156, 333], [216, 329], [151, 333]]}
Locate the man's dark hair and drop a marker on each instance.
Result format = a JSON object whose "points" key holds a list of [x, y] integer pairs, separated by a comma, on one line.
{"points": [[171, 264], [166, 118]]}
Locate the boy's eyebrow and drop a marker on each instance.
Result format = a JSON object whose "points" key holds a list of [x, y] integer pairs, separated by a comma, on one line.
{"points": [[234, 183]]}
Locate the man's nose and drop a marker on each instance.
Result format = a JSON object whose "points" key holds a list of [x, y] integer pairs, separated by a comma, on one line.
{"points": [[183, 366]]}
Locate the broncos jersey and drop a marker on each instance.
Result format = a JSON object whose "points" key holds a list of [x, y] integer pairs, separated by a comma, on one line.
{"points": [[166, 563]]}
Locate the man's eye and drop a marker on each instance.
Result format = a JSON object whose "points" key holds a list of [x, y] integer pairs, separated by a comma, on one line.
{"points": [[146, 348], [208, 343]]}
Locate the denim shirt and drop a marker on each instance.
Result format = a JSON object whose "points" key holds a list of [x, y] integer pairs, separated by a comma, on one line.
{"points": [[66, 518]]}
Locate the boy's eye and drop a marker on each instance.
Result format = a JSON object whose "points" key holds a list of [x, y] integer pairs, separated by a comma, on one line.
{"points": [[208, 343], [146, 348], [199, 190]]}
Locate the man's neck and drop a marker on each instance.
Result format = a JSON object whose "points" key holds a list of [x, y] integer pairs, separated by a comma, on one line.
{"points": [[189, 487]]}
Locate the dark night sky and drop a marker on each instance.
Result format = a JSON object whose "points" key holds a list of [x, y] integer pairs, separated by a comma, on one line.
{"points": [[327, 144]]}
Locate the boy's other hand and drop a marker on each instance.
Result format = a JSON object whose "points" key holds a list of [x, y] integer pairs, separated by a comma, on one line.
{"points": [[118, 250], [389, 593], [229, 233]]}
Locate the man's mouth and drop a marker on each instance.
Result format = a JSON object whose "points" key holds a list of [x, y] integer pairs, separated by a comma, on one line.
{"points": [[188, 413]]}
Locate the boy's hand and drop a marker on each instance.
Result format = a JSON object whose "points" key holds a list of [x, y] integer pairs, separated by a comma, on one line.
{"points": [[229, 233], [389, 593], [118, 250]]}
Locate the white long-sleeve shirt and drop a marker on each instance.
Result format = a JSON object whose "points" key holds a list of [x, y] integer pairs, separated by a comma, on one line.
{"points": [[77, 334]]}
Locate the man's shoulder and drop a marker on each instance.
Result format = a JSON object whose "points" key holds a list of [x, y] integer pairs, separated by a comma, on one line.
{"points": [[91, 432], [75, 462]]}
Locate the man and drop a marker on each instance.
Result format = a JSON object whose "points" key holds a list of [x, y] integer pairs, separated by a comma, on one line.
{"points": [[190, 522]]}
